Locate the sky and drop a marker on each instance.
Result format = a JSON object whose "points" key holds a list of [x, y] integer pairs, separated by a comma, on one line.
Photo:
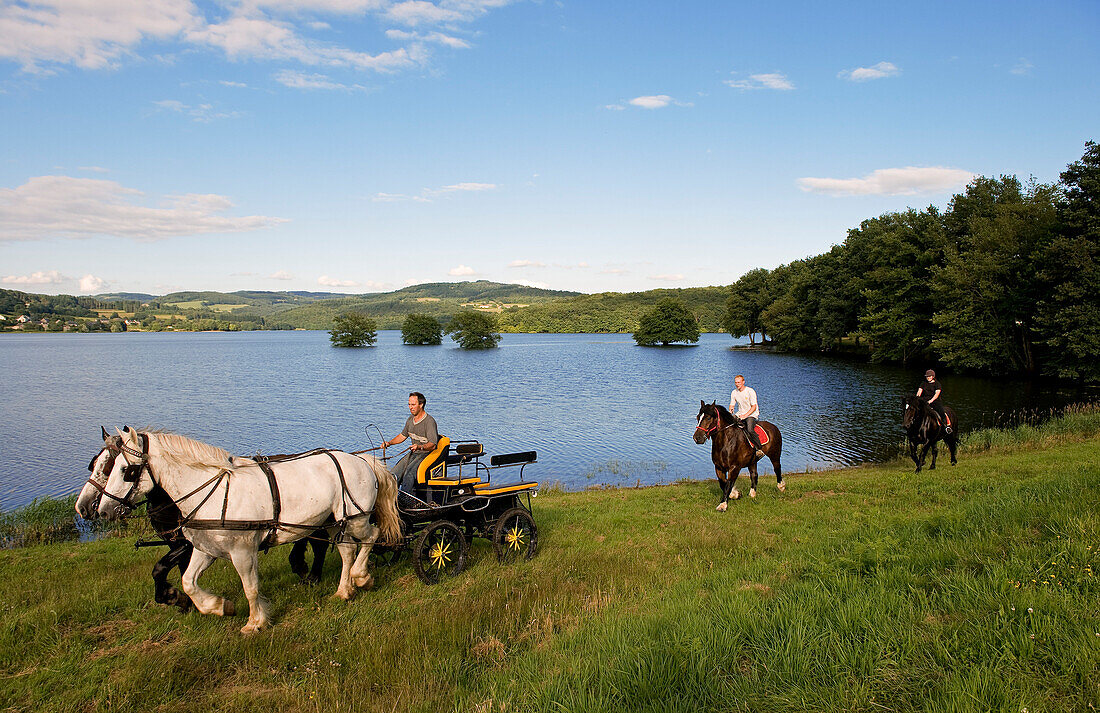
{"points": [[365, 145]]}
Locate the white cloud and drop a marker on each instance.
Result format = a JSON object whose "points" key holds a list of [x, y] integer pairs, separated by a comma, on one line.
{"points": [[667, 278], [773, 80], [95, 34], [90, 283], [62, 206], [280, 275], [333, 282], [461, 271], [529, 283], [90, 35], [301, 80], [526, 263], [891, 182], [658, 101], [614, 107], [427, 194], [203, 113], [237, 85], [1022, 67], [48, 277], [875, 71]]}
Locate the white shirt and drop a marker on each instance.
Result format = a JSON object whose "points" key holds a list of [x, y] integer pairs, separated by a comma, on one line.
{"points": [[744, 401]]}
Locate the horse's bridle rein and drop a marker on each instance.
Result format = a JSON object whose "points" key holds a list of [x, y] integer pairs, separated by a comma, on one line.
{"points": [[132, 473], [708, 432]]}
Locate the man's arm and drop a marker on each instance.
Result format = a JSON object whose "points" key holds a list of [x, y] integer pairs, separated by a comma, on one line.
{"points": [[751, 413], [920, 390], [399, 438]]}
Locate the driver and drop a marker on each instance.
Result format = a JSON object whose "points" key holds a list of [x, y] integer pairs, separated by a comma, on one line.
{"points": [[931, 386], [743, 405], [422, 430]]}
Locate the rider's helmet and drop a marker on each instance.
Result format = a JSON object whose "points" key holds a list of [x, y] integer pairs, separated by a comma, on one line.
{"points": [[930, 373]]}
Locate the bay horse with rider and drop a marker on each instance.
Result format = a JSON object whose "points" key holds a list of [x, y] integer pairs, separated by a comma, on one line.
{"points": [[924, 429], [731, 450]]}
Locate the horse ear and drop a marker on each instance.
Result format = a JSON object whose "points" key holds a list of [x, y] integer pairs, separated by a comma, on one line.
{"points": [[702, 403], [714, 403], [104, 432]]}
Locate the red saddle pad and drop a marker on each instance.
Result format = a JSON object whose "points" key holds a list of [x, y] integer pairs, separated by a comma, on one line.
{"points": [[762, 435]]}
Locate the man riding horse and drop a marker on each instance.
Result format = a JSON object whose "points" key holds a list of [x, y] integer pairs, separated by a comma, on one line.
{"points": [[743, 404]]}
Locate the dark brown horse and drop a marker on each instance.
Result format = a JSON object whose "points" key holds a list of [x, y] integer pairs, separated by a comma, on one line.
{"points": [[731, 451], [923, 428]]}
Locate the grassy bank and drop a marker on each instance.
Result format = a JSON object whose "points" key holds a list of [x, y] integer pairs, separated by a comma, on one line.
{"points": [[874, 588]]}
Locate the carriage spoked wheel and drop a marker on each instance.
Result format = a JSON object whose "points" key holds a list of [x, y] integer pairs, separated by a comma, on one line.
{"points": [[440, 551], [515, 536]]}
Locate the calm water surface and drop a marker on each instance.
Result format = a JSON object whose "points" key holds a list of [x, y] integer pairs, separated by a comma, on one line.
{"points": [[597, 408]]}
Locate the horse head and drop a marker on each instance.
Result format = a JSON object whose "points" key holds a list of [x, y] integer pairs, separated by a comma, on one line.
{"points": [[87, 502], [128, 478], [913, 411]]}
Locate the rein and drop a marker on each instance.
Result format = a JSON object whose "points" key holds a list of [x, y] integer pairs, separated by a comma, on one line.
{"points": [[716, 427]]}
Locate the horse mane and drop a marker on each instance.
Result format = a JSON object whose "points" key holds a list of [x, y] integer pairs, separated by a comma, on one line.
{"points": [[188, 451], [724, 414]]}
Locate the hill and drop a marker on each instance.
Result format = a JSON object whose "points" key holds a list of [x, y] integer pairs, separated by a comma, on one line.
{"points": [[614, 311]]}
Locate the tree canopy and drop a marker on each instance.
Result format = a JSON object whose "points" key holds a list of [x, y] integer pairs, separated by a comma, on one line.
{"points": [[421, 329], [669, 321], [353, 329], [474, 330]]}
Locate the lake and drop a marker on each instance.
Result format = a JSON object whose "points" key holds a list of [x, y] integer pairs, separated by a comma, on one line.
{"points": [[598, 409]]}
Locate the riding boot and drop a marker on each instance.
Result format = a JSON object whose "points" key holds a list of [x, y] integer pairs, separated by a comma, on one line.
{"points": [[754, 440]]}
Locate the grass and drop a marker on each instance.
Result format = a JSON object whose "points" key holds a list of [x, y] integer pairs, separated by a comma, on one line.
{"points": [[871, 588]]}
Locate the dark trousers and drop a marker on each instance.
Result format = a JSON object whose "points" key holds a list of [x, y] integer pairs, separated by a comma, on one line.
{"points": [[938, 408], [750, 431]]}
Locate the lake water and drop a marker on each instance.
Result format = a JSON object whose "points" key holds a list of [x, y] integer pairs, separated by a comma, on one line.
{"points": [[597, 408]]}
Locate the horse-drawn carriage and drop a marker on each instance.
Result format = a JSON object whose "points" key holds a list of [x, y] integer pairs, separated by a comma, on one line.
{"points": [[455, 499]]}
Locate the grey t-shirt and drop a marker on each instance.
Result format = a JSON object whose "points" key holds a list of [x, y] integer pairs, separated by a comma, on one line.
{"points": [[424, 432]]}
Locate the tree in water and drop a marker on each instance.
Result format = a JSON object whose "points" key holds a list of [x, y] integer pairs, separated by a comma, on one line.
{"points": [[474, 330], [421, 329], [669, 321], [353, 329]]}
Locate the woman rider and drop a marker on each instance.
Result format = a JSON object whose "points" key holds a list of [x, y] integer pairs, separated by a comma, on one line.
{"points": [[930, 391]]}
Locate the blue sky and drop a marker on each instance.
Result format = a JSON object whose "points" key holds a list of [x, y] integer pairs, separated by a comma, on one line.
{"points": [[364, 145]]}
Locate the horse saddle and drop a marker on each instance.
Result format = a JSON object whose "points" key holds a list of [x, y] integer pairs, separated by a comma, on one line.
{"points": [[946, 416], [761, 434]]}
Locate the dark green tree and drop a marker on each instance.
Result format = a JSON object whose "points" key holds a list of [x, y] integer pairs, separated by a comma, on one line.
{"points": [[1068, 316], [987, 288], [669, 321], [474, 330], [421, 329], [748, 299], [353, 329]]}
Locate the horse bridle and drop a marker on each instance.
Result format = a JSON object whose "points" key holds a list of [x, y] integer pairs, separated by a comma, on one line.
{"points": [[130, 474], [717, 426]]}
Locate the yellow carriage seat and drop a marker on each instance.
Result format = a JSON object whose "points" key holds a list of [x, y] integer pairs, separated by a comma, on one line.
{"points": [[433, 469]]}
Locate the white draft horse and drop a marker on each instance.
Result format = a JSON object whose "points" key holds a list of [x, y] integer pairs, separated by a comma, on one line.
{"points": [[231, 508]]}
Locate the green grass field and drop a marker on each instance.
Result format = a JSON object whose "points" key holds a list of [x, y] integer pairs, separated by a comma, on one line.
{"points": [[863, 589]]}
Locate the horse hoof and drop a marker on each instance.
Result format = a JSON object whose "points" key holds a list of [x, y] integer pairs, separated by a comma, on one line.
{"points": [[363, 582], [736, 494], [228, 608], [782, 486], [249, 629], [752, 492], [184, 603], [721, 507], [310, 579]]}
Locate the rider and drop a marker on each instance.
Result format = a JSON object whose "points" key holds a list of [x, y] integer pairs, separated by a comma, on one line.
{"points": [[931, 386], [743, 405], [422, 429]]}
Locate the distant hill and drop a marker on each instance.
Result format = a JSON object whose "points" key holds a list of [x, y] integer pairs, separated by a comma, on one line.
{"points": [[519, 308]]}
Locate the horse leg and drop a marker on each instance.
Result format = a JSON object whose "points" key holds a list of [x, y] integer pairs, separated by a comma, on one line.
{"points": [[913, 453], [734, 493], [298, 558], [347, 553], [923, 455], [246, 562], [723, 487], [367, 535], [203, 600], [935, 452], [318, 542], [952, 444], [178, 556], [752, 478], [778, 472]]}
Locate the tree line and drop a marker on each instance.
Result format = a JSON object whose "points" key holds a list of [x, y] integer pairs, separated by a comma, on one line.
{"points": [[1005, 281]]}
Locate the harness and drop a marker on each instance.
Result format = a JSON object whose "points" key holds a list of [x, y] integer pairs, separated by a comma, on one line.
{"points": [[272, 525]]}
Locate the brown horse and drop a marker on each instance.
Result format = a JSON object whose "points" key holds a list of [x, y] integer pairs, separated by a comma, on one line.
{"points": [[731, 450]]}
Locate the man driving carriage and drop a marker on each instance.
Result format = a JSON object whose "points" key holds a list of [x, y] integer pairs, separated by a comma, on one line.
{"points": [[931, 391], [743, 405], [422, 430]]}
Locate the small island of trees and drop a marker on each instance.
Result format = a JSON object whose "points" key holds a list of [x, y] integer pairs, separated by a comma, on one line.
{"points": [[669, 321], [421, 329], [353, 329], [474, 330]]}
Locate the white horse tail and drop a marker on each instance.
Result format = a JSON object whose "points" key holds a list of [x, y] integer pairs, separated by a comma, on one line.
{"points": [[385, 505]]}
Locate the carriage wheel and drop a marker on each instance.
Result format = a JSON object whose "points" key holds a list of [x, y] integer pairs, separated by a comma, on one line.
{"points": [[440, 551], [515, 536]]}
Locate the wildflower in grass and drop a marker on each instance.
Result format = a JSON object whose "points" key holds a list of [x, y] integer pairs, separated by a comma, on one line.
{"points": [[1029, 610]]}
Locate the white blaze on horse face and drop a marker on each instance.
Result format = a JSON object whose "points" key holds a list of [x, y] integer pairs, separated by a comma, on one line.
{"points": [[89, 494]]}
